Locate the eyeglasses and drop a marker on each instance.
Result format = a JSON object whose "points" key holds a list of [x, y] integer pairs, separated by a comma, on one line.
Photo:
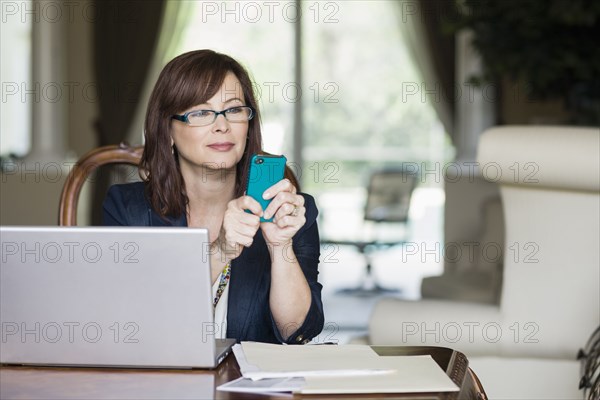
{"points": [[207, 117]]}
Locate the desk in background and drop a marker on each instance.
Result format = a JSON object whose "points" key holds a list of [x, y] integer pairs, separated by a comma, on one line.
{"points": [[20, 382]]}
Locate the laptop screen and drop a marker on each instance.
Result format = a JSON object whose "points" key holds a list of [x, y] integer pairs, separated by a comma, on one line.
{"points": [[106, 296]]}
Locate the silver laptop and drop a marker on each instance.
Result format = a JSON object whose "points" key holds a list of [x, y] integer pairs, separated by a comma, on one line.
{"points": [[100, 296]]}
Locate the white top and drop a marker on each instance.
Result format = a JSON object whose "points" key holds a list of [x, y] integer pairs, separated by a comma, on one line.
{"points": [[221, 309]]}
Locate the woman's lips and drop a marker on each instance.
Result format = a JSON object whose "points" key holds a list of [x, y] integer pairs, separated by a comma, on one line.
{"points": [[225, 146]]}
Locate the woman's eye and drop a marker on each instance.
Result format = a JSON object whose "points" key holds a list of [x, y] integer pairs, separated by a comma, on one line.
{"points": [[234, 110], [202, 113]]}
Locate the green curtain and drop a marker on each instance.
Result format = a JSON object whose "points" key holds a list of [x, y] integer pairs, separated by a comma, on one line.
{"points": [[125, 38], [423, 24]]}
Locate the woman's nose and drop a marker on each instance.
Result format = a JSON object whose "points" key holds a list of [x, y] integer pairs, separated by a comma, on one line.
{"points": [[221, 124]]}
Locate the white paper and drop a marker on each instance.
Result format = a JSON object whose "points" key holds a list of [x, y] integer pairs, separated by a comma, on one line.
{"points": [[413, 374], [342, 369], [263, 360], [279, 385]]}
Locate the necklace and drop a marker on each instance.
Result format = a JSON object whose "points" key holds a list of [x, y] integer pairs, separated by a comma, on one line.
{"points": [[223, 281]]}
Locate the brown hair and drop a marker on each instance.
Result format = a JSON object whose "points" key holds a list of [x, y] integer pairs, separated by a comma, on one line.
{"points": [[189, 79]]}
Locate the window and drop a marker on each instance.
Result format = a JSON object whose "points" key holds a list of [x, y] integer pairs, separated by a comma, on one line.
{"points": [[15, 75], [361, 117]]}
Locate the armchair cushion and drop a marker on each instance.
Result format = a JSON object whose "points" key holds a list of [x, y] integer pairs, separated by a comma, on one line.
{"points": [[559, 157], [468, 327], [527, 378]]}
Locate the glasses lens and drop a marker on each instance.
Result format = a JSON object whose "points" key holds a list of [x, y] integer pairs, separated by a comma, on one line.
{"points": [[201, 117], [239, 114]]}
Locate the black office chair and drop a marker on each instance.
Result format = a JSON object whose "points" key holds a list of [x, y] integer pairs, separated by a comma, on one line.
{"points": [[388, 201], [388, 196]]}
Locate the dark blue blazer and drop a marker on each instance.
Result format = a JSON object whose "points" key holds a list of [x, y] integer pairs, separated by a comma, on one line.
{"points": [[248, 315]]}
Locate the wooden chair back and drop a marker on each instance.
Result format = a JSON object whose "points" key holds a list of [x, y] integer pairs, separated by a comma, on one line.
{"points": [[113, 154]]}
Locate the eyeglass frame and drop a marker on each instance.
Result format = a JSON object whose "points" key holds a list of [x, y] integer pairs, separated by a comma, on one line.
{"points": [[184, 117]]}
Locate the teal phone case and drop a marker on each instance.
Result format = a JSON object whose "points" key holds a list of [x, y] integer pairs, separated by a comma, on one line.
{"points": [[265, 171]]}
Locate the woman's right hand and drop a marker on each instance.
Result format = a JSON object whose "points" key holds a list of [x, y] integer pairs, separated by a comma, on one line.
{"points": [[239, 227]]}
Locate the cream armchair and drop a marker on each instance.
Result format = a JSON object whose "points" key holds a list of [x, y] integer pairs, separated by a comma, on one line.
{"points": [[550, 300]]}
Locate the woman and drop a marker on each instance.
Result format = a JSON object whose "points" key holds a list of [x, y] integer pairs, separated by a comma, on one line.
{"points": [[202, 126]]}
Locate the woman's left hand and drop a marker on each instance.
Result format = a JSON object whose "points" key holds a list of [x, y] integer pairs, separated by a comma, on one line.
{"points": [[288, 209]]}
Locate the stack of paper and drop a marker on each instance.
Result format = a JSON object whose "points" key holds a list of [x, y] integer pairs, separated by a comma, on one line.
{"points": [[318, 369]]}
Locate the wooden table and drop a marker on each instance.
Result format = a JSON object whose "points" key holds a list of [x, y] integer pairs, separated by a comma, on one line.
{"points": [[23, 382]]}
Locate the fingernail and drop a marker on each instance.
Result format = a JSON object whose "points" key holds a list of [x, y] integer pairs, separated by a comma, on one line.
{"points": [[266, 195]]}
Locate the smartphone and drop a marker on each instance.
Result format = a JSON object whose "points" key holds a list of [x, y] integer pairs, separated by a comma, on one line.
{"points": [[264, 172]]}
